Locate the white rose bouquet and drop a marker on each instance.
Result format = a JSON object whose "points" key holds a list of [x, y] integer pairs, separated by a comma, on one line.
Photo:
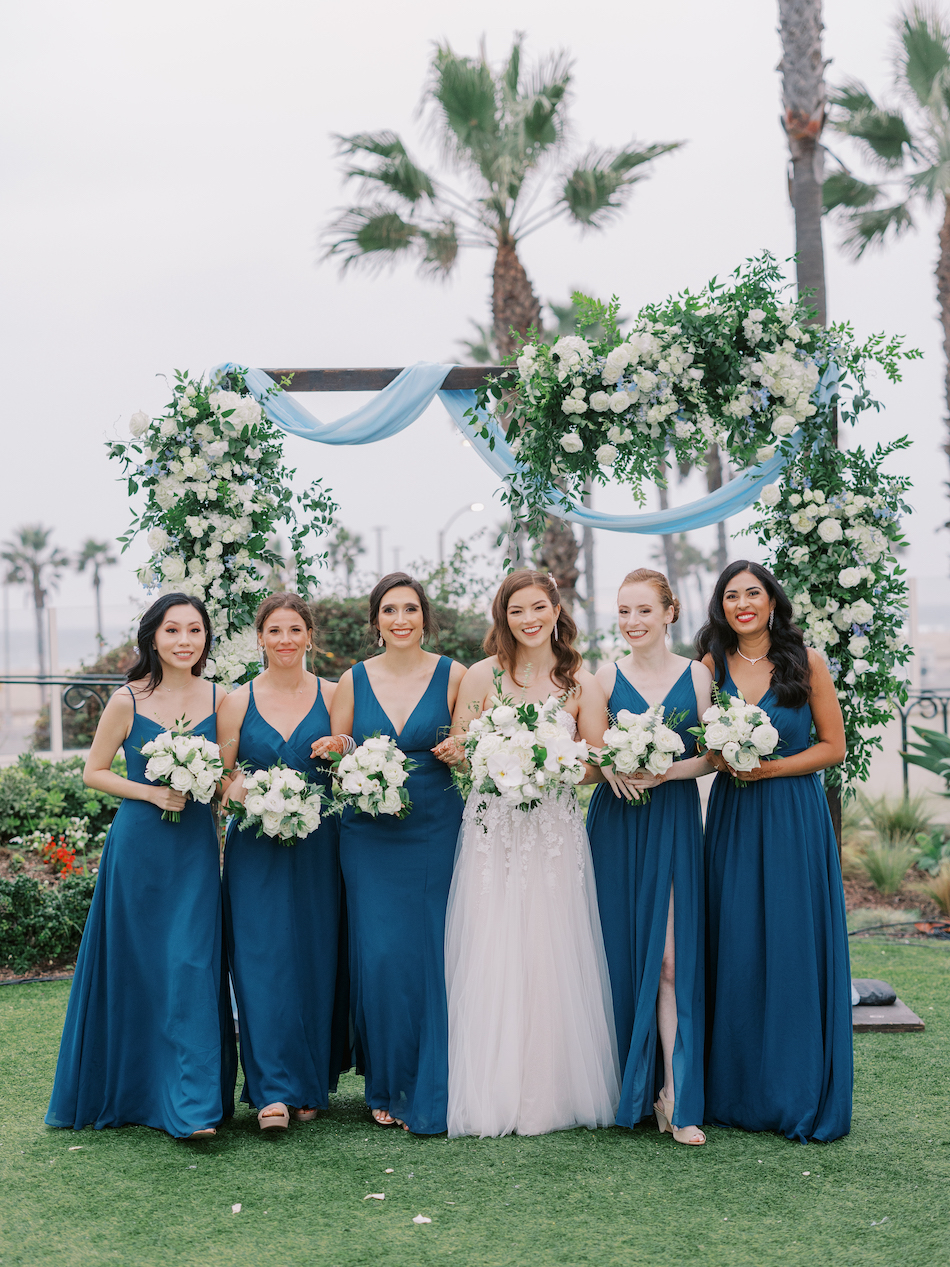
{"points": [[186, 762], [280, 803], [742, 732], [371, 779], [642, 741], [518, 752]]}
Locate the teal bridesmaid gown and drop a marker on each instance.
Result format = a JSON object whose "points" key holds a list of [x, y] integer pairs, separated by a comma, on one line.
{"points": [[397, 874], [640, 852], [778, 976], [282, 906], [149, 1036]]}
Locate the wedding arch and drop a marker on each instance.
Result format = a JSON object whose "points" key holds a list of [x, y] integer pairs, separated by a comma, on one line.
{"points": [[736, 364]]}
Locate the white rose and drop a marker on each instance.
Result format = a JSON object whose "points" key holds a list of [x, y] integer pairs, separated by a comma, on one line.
{"points": [[180, 779], [859, 646], [391, 802], [860, 666], [861, 612], [711, 714], [159, 766], [765, 452], [139, 423], [849, 577], [503, 716], [830, 530], [745, 759], [270, 822], [658, 762], [173, 568], [620, 401], [730, 752], [394, 774], [378, 743], [606, 455], [765, 737], [771, 495], [158, 540], [599, 401], [572, 443], [169, 426], [717, 734], [784, 425], [255, 805]]}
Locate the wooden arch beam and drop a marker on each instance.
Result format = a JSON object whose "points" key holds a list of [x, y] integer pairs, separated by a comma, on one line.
{"points": [[462, 378]]}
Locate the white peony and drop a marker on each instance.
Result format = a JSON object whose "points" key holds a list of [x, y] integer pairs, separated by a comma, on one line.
{"points": [[765, 738]]}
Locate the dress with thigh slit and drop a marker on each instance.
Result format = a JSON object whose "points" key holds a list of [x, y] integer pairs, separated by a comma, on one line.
{"points": [[641, 853]]}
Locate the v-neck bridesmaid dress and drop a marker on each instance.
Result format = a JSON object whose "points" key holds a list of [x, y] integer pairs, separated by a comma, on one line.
{"points": [[641, 853], [282, 912], [397, 874], [149, 1037]]}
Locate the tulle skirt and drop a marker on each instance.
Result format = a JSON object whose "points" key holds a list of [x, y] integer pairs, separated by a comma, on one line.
{"points": [[532, 1046]]}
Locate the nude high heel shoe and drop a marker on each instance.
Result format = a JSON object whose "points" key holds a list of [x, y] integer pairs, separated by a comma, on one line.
{"points": [[664, 1121]]}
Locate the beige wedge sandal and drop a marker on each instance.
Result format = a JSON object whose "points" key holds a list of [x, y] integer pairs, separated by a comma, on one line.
{"points": [[274, 1117]]}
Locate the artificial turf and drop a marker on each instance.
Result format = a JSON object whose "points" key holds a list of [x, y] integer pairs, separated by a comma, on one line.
{"points": [[135, 1196]]}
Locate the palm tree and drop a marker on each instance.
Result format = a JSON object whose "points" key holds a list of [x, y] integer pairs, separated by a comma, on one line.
{"points": [[32, 561], [500, 130], [96, 555], [909, 146]]}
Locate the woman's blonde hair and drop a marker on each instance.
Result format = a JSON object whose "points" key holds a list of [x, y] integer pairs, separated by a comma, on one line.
{"points": [[646, 576]]}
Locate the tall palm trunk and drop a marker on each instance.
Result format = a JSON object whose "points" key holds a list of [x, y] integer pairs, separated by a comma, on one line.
{"points": [[943, 297], [558, 554], [803, 97], [514, 303], [39, 607], [590, 588]]}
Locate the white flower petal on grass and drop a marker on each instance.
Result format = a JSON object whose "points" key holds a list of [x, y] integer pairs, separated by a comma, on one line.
{"points": [[421, 1218], [236, 1208], [375, 1196]]}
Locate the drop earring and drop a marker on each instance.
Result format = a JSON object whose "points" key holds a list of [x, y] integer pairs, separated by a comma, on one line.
{"points": [[381, 643], [771, 618], [555, 633]]}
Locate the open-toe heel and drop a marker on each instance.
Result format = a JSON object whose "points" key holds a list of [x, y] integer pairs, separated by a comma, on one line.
{"points": [[304, 1115], [662, 1121], [274, 1121]]}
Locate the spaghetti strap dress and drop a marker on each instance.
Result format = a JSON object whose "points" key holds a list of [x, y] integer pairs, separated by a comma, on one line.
{"points": [[779, 1046], [397, 874], [282, 905], [149, 1036], [640, 853]]}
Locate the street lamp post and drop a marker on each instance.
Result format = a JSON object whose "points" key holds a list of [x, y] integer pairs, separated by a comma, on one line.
{"points": [[462, 510]]}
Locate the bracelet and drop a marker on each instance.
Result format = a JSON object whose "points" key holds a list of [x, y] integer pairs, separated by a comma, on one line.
{"points": [[350, 743]]}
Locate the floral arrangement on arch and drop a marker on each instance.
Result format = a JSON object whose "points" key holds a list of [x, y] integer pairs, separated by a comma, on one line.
{"points": [[736, 365], [217, 491], [832, 529]]}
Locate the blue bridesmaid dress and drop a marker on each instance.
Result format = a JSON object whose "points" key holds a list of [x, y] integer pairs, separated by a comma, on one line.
{"points": [[282, 907], [149, 1036], [778, 1037], [397, 874], [639, 853]]}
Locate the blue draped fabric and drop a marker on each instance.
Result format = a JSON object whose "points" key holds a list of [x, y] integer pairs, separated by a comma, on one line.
{"points": [[413, 390]]}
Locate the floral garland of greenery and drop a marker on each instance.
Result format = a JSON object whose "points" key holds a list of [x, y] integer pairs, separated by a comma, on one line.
{"points": [[831, 533], [734, 365], [217, 490]]}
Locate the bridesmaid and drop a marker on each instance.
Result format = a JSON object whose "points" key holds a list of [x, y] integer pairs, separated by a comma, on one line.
{"points": [[282, 903], [778, 1036], [398, 871], [644, 855], [149, 1037]]}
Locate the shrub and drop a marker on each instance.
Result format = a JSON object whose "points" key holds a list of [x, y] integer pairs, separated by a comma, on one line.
{"points": [[40, 923], [37, 795], [897, 821], [886, 863], [939, 887], [934, 849]]}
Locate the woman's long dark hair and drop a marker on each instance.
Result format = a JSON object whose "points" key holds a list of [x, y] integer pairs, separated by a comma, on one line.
{"points": [[149, 664], [787, 654], [395, 581]]}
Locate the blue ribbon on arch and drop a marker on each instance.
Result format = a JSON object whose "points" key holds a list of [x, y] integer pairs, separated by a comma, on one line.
{"points": [[399, 404]]}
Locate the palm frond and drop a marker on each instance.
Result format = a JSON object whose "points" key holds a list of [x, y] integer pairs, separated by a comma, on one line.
{"points": [[465, 92], [924, 50], [870, 228], [844, 190], [598, 186], [540, 114], [395, 170], [883, 133], [931, 181], [375, 235], [441, 248], [513, 70]]}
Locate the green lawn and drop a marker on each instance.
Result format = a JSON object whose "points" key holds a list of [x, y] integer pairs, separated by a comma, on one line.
{"points": [[134, 1196]]}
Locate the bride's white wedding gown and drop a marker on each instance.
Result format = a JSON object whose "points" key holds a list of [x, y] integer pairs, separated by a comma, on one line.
{"points": [[532, 1046]]}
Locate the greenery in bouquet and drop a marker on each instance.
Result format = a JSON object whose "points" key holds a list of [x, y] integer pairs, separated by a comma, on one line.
{"points": [[642, 741], [370, 780], [742, 732], [186, 762], [736, 364], [217, 490]]}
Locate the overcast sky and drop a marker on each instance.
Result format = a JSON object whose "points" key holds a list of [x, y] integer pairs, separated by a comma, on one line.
{"points": [[168, 169]]}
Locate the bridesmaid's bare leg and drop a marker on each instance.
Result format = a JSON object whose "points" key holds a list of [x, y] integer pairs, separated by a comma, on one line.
{"points": [[666, 1023]]}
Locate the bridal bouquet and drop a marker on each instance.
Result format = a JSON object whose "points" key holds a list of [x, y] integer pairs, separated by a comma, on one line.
{"points": [[186, 762], [742, 732], [371, 779], [642, 741], [280, 803], [518, 752]]}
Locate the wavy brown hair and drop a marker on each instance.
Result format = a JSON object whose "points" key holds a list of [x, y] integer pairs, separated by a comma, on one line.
{"points": [[285, 601], [501, 642]]}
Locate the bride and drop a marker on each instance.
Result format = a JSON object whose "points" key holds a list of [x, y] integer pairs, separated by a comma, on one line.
{"points": [[531, 1034]]}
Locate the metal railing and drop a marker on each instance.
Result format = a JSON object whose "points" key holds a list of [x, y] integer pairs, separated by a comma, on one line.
{"points": [[922, 706], [74, 690]]}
